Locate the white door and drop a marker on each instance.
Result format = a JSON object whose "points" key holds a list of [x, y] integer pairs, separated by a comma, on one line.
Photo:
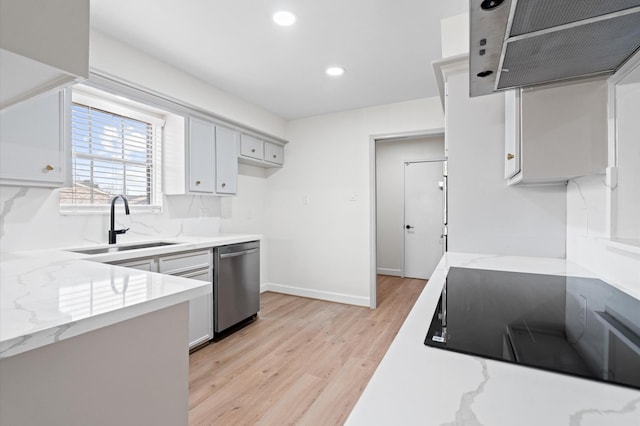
{"points": [[423, 218]]}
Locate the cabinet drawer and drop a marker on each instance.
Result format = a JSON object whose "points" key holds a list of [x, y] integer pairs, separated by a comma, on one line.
{"points": [[200, 275], [273, 153], [251, 147], [175, 264], [145, 264]]}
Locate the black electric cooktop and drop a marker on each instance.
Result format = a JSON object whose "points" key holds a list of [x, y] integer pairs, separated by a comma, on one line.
{"points": [[577, 326]]}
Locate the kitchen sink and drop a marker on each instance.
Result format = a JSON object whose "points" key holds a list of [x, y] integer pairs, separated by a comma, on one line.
{"points": [[116, 249]]}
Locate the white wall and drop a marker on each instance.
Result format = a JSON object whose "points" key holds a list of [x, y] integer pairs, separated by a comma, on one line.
{"points": [[322, 249], [125, 62], [455, 35], [390, 158], [486, 215]]}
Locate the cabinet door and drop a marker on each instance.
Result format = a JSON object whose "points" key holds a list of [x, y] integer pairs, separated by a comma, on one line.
{"points": [[200, 311], [201, 145], [251, 147], [226, 161], [273, 153], [512, 133], [147, 264], [32, 142]]}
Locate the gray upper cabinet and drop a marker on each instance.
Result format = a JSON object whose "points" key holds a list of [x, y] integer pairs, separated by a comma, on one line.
{"points": [[555, 133], [201, 156], [273, 153], [44, 45], [33, 142], [212, 157], [226, 161], [204, 160], [251, 147], [261, 153]]}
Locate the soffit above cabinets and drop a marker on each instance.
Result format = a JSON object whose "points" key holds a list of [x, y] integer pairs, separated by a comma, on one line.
{"points": [[519, 43]]}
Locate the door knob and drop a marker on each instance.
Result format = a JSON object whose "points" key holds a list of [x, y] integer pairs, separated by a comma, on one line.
{"points": [[409, 227]]}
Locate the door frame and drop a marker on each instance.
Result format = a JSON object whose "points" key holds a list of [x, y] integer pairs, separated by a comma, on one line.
{"points": [[441, 160], [439, 131]]}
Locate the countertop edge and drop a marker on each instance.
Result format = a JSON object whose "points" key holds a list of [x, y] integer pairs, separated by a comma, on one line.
{"points": [[182, 290]]}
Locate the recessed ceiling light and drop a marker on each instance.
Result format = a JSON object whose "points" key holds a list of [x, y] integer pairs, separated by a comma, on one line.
{"points": [[284, 18], [335, 71]]}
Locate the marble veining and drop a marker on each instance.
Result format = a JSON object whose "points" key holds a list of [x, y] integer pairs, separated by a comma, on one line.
{"points": [[465, 414], [415, 384], [8, 205], [578, 417], [51, 295]]}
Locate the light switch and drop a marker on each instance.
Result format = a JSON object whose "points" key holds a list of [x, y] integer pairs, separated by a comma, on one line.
{"points": [[306, 200]]}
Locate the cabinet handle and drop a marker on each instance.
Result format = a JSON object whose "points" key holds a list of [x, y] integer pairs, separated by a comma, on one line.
{"points": [[274, 156], [253, 150], [223, 184], [48, 167], [197, 182], [510, 156]]}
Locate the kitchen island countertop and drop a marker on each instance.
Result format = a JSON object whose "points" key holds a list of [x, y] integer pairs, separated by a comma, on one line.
{"points": [[420, 385], [52, 295]]}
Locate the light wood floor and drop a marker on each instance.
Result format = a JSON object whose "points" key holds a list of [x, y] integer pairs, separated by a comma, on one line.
{"points": [[303, 361]]}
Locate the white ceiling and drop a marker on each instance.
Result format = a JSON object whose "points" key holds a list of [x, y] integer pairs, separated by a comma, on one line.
{"points": [[386, 47]]}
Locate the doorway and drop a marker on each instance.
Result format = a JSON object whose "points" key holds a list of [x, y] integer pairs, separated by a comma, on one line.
{"points": [[389, 154]]}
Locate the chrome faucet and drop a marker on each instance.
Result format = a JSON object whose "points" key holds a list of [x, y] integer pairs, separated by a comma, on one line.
{"points": [[113, 232]]}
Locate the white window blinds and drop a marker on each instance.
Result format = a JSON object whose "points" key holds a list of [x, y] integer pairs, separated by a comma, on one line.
{"points": [[112, 153]]}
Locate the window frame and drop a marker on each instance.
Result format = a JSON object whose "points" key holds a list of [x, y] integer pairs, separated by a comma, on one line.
{"points": [[111, 103]]}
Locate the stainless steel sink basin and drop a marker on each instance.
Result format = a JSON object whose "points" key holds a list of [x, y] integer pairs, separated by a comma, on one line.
{"points": [[116, 249]]}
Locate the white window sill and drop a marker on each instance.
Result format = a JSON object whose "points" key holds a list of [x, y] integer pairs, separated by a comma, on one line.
{"points": [[102, 210]]}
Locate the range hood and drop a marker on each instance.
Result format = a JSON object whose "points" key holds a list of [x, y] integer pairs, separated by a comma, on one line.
{"points": [[520, 43]]}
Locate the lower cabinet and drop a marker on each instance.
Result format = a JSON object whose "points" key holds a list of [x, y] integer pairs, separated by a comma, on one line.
{"points": [[197, 265]]}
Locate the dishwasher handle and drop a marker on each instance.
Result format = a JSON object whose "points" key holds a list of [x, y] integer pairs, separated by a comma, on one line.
{"points": [[238, 253]]}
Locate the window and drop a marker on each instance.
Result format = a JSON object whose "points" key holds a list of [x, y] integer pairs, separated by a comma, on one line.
{"points": [[115, 149]]}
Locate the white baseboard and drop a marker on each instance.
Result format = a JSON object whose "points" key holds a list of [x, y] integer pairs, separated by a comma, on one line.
{"points": [[387, 271], [316, 294]]}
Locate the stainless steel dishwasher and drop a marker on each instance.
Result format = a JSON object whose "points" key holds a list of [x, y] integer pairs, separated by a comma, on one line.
{"points": [[236, 286]]}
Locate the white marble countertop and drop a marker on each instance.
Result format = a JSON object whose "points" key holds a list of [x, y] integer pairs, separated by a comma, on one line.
{"points": [[52, 295], [419, 385]]}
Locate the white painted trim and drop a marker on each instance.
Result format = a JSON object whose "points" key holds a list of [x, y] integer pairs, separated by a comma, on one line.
{"points": [[392, 272], [373, 222], [407, 135], [373, 286], [440, 64], [316, 294]]}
